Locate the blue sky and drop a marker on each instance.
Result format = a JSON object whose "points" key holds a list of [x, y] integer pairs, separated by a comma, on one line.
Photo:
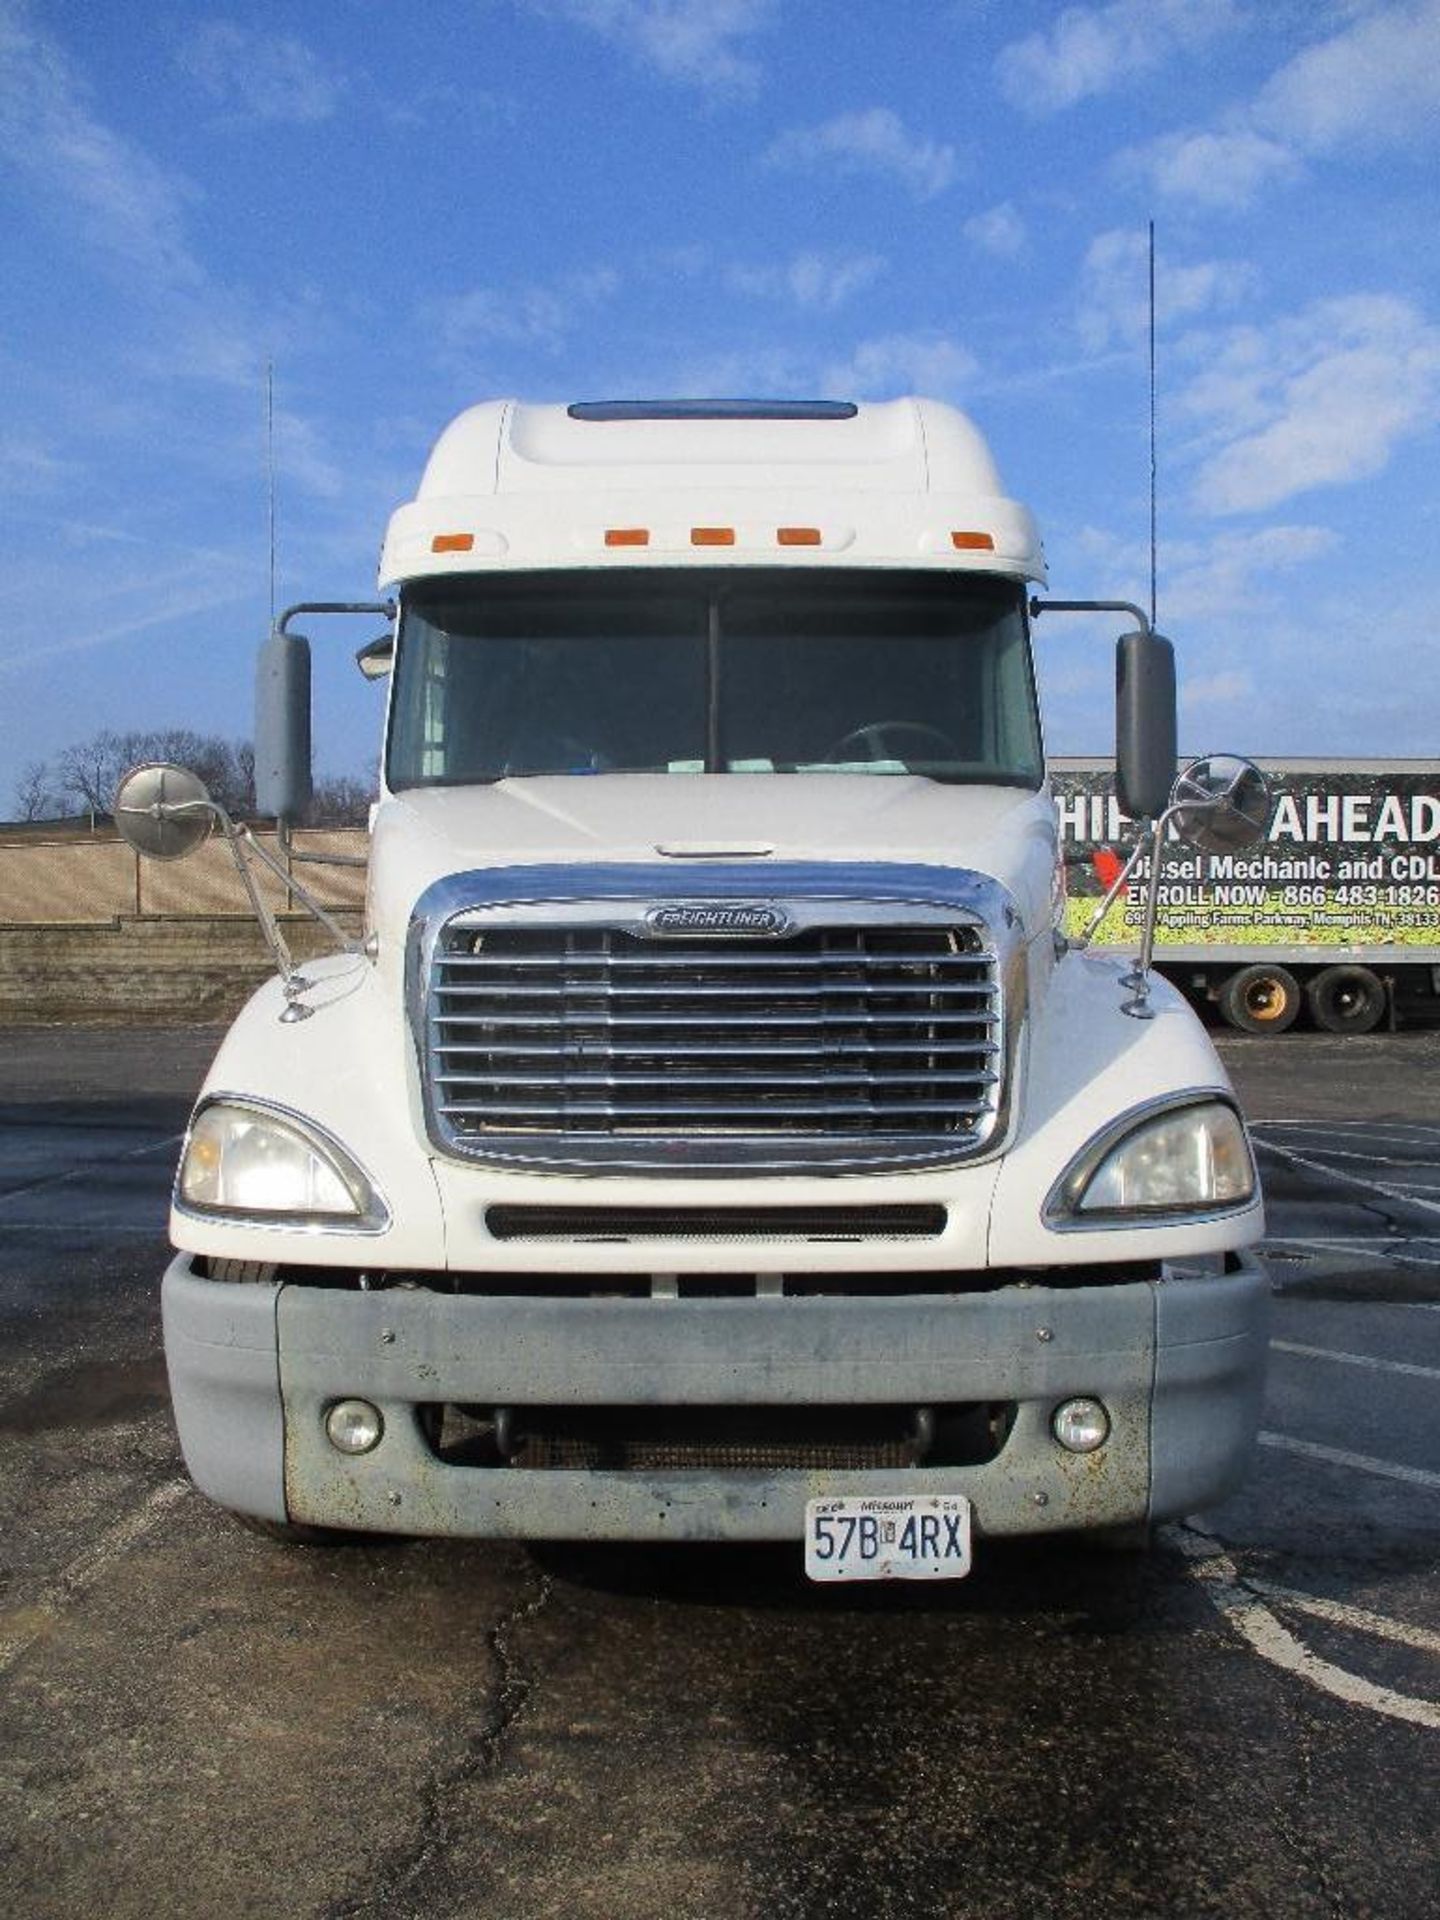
{"points": [[412, 209]]}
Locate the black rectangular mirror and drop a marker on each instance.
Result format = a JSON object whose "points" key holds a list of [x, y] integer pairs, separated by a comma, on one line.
{"points": [[282, 727], [1145, 723]]}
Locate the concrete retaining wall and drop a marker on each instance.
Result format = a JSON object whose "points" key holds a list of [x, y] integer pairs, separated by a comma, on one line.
{"points": [[90, 932], [125, 970], [86, 881]]}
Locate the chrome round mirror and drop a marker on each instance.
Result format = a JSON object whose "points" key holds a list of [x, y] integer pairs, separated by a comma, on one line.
{"points": [[163, 811], [1222, 804]]}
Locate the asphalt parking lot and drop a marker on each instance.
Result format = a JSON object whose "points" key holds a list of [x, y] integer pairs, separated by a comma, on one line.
{"points": [[196, 1720]]}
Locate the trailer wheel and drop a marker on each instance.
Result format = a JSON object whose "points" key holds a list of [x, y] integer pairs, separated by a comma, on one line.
{"points": [[1346, 1000], [1260, 999]]}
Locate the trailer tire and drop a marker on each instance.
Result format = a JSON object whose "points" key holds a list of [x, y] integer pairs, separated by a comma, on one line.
{"points": [[1346, 1000], [1260, 999]]}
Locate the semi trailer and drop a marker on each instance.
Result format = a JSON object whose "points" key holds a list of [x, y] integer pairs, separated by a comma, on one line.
{"points": [[1332, 919], [713, 1134]]}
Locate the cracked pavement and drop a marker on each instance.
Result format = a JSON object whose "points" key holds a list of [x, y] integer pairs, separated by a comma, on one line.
{"points": [[196, 1720]]}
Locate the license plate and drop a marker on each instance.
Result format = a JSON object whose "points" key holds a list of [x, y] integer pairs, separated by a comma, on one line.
{"points": [[922, 1536]]}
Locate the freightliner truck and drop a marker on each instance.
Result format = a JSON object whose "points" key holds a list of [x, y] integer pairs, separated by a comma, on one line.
{"points": [[1333, 919], [713, 1135]]}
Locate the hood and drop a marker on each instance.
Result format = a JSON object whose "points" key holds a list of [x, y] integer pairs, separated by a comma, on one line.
{"points": [[425, 834]]}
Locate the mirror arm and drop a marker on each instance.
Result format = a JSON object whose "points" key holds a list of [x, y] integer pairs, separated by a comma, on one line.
{"points": [[1096, 920], [386, 607], [292, 983], [1138, 978], [1137, 614], [285, 834], [347, 942], [241, 841]]}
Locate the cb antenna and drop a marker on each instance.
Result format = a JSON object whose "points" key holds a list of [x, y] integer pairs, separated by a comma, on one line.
{"points": [[270, 472], [1154, 541]]}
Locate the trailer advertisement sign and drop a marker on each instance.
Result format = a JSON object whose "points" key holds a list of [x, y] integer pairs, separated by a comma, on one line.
{"points": [[1351, 860]]}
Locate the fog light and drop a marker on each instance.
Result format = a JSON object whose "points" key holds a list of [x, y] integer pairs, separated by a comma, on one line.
{"points": [[354, 1426], [1080, 1425]]}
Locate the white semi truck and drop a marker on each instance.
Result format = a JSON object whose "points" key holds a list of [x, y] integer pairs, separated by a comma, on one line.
{"points": [[713, 1134]]}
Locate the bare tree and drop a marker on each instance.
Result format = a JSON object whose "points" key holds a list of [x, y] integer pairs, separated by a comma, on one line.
{"points": [[34, 797], [341, 800], [86, 773], [82, 778]]}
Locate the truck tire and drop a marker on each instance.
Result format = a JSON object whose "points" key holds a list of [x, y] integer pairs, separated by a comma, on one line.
{"points": [[1346, 1000], [1135, 1540], [1260, 999], [251, 1272], [293, 1534]]}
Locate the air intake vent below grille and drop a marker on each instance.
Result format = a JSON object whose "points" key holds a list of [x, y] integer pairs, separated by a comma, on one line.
{"points": [[715, 1223], [552, 1042]]}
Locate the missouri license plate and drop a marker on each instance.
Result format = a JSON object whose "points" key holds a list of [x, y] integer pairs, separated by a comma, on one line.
{"points": [[922, 1536]]}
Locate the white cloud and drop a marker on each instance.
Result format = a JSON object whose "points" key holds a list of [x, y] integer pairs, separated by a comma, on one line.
{"points": [[117, 605], [901, 363], [1000, 231], [756, 371], [263, 76], [875, 141], [1375, 83], [1092, 50], [1215, 169], [1209, 579], [1319, 400], [815, 282], [876, 369], [1114, 292], [128, 218], [692, 41], [28, 466], [1222, 689], [1231, 573], [538, 315], [129, 210]]}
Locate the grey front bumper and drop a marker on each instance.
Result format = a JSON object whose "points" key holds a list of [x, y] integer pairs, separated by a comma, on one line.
{"points": [[1179, 1364]]}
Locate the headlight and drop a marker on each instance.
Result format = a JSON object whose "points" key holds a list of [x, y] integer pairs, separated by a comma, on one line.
{"points": [[251, 1162], [1182, 1160]]}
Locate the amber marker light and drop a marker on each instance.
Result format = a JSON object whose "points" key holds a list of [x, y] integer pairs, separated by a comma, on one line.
{"points": [[712, 536], [627, 536], [973, 542], [452, 543], [797, 536]]}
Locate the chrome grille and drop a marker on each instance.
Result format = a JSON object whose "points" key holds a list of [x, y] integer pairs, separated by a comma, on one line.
{"points": [[596, 1036]]}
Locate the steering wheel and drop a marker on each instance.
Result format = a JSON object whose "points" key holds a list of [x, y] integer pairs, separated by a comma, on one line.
{"points": [[872, 738], [568, 754]]}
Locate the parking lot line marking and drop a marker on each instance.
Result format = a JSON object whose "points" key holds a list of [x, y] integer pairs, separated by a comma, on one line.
{"points": [[1237, 1602], [96, 1229], [1347, 1153], [1361, 1462], [1350, 1179], [1356, 1359], [1342, 1614], [1401, 1129], [35, 1619], [1347, 1240], [90, 1167], [1376, 1246]]}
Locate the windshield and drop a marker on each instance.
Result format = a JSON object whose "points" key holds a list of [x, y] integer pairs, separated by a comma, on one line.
{"points": [[766, 671]]}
